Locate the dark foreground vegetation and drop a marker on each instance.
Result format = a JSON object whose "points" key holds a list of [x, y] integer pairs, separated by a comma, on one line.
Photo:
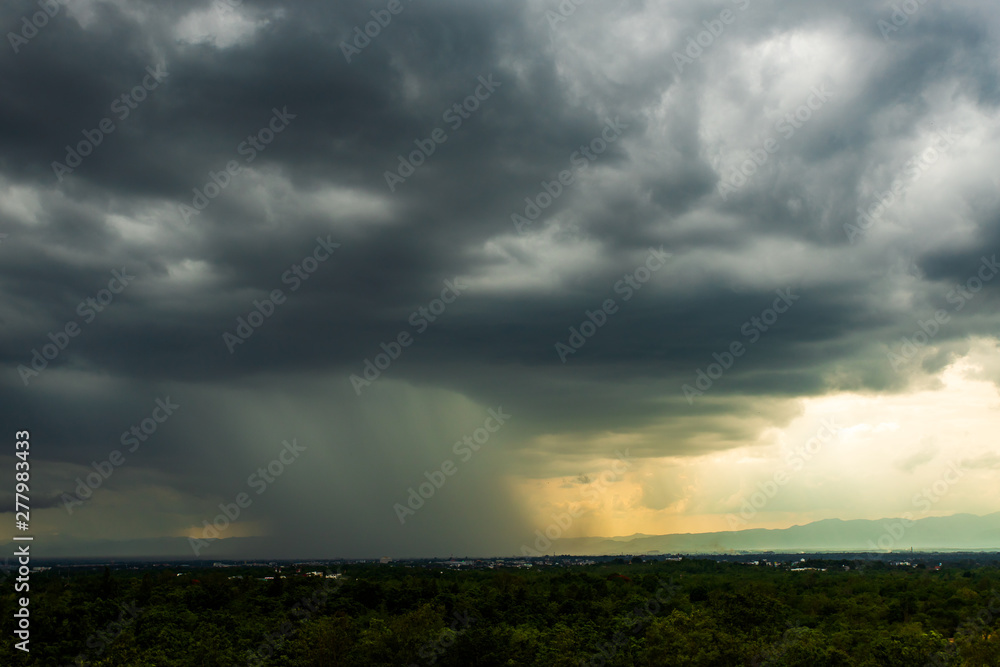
{"points": [[690, 613]]}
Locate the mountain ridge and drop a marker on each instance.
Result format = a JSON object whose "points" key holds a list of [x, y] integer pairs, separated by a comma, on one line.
{"points": [[958, 532], [961, 531]]}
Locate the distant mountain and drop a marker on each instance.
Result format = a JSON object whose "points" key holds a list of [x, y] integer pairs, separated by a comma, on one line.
{"points": [[966, 532], [959, 532]]}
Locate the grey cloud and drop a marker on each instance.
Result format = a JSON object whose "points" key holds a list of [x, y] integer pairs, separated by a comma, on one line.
{"points": [[324, 175]]}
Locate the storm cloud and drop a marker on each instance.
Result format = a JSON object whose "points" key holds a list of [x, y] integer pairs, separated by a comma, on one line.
{"points": [[364, 225]]}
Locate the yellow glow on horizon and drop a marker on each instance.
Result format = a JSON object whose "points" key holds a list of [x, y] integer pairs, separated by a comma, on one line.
{"points": [[887, 449]]}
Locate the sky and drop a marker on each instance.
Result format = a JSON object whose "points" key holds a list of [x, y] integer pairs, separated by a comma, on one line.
{"points": [[421, 277]]}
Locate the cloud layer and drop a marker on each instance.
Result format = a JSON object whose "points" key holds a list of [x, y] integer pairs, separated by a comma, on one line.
{"points": [[223, 149]]}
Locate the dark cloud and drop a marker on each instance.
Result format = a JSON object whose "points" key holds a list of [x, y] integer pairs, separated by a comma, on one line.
{"points": [[323, 177]]}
